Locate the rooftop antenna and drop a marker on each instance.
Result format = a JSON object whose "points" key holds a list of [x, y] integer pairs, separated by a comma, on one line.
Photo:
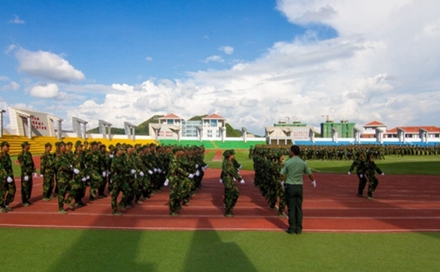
{"points": [[327, 117]]}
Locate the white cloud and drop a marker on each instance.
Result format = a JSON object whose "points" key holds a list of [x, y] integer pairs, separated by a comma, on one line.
{"points": [[12, 86], [229, 50], [382, 66], [45, 90], [148, 58], [16, 20], [214, 58], [47, 65]]}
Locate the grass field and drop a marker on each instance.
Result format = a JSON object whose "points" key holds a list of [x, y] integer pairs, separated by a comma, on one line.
{"points": [[91, 250]]}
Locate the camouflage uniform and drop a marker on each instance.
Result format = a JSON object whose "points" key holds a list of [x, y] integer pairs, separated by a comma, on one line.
{"points": [[120, 171], [64, 175], [27, 168], [359, 164], [47, 171], [3, 176], [231, 191], [10, 188], [77, 182], [176, 177], [373, 182], [93, 162]]}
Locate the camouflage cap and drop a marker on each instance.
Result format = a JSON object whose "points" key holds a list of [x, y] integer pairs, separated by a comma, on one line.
{"points": [[25, 143], [78, 143], [48, 145], [4, 143]]}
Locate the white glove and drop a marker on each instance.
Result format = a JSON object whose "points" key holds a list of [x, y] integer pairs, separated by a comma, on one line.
{"points": [[166, 182], [240, 166], [383, 174], [41, 175], [155, 169], [9, 179], [76, 171], [349, 172], [135, 176], [191, 175], [26, 178], [159, 170], [242, 181], [204, 168], [133, 171], [108, 172], [361, 175], [150, 172], [314, 183], [35, 175], [282, 183], [84, 179], [110, 181], [104, 174], [197, 166], [197, 173], [234, 179], [141, 173], [220, 180], [71, 166], [88, 177], [111, 156]]}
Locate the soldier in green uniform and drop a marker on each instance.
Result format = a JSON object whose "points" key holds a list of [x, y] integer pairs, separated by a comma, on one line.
{"points": [[229, 173], [47, 172], [371, 169], [64, 175], [120, 171], [359, 164], [93, 162], [27, 169], [175, 180], [77, 182], [3, 182], [10, 187]]}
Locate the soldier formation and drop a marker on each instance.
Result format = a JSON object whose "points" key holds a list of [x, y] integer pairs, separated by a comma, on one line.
{"points": [[349, 152], [138, 172]]}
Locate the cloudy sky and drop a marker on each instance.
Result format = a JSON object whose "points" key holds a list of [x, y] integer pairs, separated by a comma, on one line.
{"points": [[254, 62]]}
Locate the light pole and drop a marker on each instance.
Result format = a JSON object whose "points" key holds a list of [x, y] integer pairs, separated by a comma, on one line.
{"points": [[1, 123]]}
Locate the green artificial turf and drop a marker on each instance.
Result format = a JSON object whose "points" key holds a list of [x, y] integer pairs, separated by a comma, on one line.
{"points": [[93, 250]]}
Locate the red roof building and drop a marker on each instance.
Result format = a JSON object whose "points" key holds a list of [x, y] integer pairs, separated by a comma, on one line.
{"points": [[371, 128]]}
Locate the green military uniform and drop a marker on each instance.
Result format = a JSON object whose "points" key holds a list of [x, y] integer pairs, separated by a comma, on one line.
{"points": [[10, 188], [371, 169], [120, 171], [359, 165], [27, 168], [47, 171], [229, 173], [64, 175]]}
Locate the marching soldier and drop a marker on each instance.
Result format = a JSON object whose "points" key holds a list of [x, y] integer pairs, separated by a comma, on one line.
{"points": [[10, 187], [27, 169]]}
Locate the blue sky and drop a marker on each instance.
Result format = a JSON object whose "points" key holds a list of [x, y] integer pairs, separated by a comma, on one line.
{"points": [[252, 62]]}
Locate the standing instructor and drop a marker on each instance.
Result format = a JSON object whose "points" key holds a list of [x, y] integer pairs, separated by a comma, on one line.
{"points": [[292, 175]]}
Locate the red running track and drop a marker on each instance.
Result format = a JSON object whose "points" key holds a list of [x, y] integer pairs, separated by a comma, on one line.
{"points": [[402, 204]]}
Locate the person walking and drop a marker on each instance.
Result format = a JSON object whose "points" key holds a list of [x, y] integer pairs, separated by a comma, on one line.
{"points": [[229, 173], [10, 188], [292, 175], [359, 165], [372, 168], [27, 169]]}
